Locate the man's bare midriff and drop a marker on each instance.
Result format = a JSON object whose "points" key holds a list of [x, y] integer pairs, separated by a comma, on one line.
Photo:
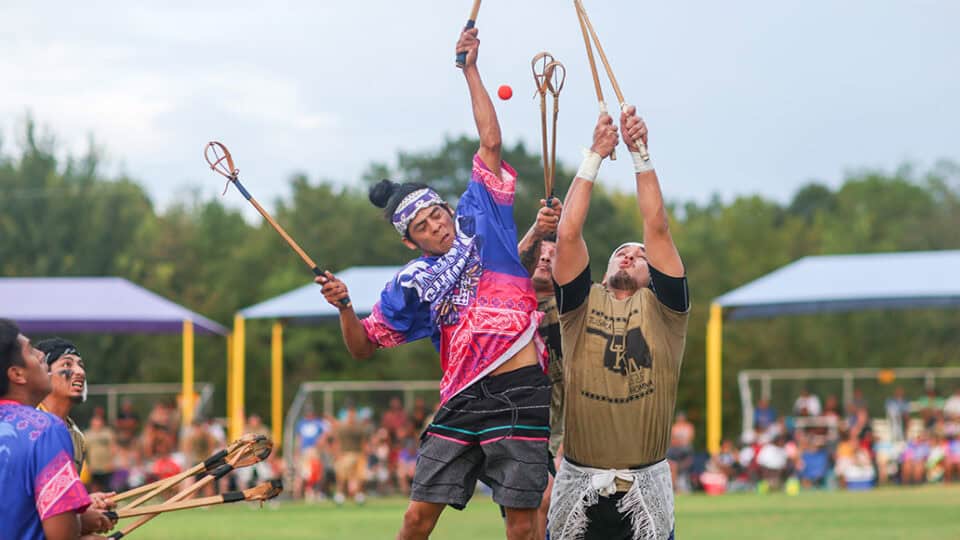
{"points": [[526, 357]]}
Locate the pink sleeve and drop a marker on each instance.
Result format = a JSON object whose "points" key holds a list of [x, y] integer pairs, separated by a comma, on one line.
{"points": [[500, 188], [58, 488], [379, 331]]}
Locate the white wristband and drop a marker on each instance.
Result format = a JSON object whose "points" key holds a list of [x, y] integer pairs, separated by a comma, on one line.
{"points": [[590, 165], [639, 164]]}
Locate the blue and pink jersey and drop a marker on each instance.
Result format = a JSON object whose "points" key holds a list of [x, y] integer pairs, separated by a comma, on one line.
{"points": [[475, 302], [37, 472]]}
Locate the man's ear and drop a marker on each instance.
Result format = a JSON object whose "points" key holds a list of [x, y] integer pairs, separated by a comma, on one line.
{"points": [[410, 245], [17, 374]]}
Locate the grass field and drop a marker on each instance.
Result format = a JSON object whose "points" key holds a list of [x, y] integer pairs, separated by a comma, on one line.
{"points": [[892, 513]]}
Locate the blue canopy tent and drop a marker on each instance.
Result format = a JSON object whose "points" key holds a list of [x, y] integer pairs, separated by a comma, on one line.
{"points": [[104, 305], [304, 305], [829, 283]]}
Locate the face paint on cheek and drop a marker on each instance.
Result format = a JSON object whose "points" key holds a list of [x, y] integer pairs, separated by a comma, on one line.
{"points": [[66, 374]]}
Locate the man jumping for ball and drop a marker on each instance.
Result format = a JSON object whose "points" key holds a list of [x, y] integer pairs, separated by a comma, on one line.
{"points": [[469, 293]]}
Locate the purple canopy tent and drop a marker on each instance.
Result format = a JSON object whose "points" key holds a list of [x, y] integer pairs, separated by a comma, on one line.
{"points": [[103, 305], [107, 305]]}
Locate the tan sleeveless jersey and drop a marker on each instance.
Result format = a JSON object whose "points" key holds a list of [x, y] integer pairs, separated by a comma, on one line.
{"points": [[621, 369]]}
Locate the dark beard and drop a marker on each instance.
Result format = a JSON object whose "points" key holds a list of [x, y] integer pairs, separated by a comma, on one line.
{"points": [[541, 285], [622, 281]]}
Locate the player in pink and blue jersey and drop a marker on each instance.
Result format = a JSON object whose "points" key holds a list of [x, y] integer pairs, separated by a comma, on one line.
{"points": [[470, 295]]}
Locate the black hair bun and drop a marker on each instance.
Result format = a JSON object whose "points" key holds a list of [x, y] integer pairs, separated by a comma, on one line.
{"points": [[381, 192]]}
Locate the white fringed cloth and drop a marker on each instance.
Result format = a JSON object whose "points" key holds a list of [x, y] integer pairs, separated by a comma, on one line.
{"points": [[648, 503]]}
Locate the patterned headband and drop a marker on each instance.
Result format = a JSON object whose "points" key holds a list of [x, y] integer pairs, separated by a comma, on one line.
{"points": [[410, 205]]}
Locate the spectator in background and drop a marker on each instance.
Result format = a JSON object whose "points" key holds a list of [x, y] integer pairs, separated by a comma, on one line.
{"points": [[898, 410], [844, 455], [831, 409], [157, 428], [394, 418], [931, 408], [774, 462], [406, 463], [807, 404], [420, 415], [309, 475], [379, 459], [814, 463], [197, 445], [310, 428], [951, 409], [952, 468], [680, 453], [914, 458], [328, 449], [165, 463], [351, 464], [858, 400], [250, 476], [256, 426], [127, 424], [764, 414], [725, 461], [123, 463], [101, 447]]}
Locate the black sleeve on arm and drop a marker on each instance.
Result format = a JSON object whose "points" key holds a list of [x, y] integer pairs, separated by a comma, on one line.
{"points": [[573, 294], [671, 291]]}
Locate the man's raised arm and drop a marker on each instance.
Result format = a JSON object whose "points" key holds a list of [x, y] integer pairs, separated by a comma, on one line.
{"points": [[484, 114], [572, 256], [661, 251]]}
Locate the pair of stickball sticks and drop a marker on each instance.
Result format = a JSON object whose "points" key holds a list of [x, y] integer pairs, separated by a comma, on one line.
{"points": [[550, 78], [244, 452]]}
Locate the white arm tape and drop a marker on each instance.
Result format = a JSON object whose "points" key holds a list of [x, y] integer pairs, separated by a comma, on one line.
{"points": [[639, 164], [590, 165]]}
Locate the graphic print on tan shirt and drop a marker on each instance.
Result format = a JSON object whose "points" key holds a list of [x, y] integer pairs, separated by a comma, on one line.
{"points": [[622, 367], [549, 330]]}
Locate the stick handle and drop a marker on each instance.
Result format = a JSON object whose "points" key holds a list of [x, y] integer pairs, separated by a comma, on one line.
{"points": [[182, 505], [471, 22], [290, 241], [462, 56], [221, 471], [345, 302]]}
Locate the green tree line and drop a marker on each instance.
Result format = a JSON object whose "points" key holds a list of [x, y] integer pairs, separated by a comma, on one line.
{"points": [[68, 218]]}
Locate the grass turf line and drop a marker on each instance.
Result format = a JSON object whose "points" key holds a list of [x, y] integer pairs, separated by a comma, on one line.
{"points": [[931, 512]]}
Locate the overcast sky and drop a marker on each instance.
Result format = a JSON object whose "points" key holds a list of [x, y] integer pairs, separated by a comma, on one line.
{"points": [[748, 96]]}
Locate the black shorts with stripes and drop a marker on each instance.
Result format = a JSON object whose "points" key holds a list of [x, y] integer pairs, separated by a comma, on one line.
{"points": [[497, 431]]}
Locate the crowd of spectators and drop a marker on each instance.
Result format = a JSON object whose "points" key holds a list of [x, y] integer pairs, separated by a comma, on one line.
{"points": [[818, 445], [360, 451]]}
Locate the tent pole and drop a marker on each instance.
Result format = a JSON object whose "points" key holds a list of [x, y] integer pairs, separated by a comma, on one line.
{"points": [[237, 418], [229, 380], [187, 401], [276, 383], [714, 377]]}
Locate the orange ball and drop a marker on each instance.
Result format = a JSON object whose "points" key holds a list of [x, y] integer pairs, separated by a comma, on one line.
{"points": [[505, 92]]}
